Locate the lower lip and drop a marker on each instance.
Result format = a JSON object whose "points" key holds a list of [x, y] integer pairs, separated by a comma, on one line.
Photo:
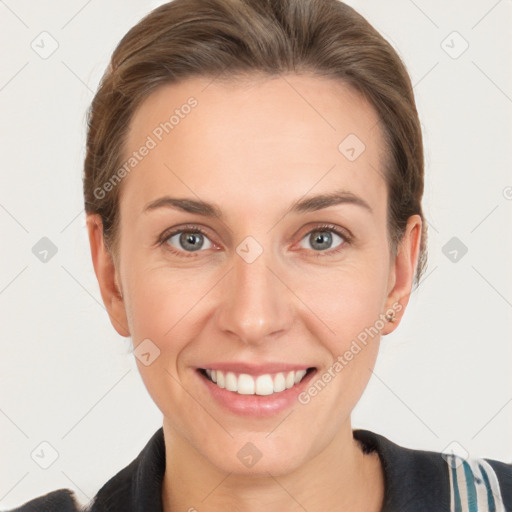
{"points": [[256, 405]]}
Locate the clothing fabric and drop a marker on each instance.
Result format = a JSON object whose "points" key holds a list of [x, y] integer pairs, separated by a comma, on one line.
{"points": [[415, 480]]}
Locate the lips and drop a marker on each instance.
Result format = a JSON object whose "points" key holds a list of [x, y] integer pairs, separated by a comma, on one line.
{"points": [[255, 390]]}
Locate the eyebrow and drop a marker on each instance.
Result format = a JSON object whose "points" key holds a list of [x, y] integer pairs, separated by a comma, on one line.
{"points": [[310, 204]]}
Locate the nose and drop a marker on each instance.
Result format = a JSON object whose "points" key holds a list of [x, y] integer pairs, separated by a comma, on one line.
{"points": [[255, 303]]}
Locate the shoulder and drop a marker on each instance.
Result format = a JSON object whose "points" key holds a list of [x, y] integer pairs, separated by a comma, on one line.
{"points": [[135, 487], [438, 481], [61, 500]]}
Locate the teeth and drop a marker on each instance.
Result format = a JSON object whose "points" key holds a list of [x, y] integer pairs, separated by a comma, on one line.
{"points": [[279, 383], [290, 380], [245, 384], [299, 375], [264, 385], [231, 381]]}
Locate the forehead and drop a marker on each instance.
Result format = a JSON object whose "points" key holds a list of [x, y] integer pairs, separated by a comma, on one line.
{"points": [[256, 139]]}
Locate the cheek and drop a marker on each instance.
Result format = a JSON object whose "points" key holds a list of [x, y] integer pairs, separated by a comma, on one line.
{"points": [[168, 308], [345, 300], [346, 309], [161, 311], [160, 298]]}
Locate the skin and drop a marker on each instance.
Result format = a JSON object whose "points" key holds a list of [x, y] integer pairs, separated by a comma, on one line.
{"points": [[254, 149]]}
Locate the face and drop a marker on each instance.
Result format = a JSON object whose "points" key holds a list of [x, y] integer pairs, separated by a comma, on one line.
{"points": [[274, 282]]}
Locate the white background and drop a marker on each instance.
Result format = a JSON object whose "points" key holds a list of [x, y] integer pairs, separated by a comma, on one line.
{"points": [[69, 379]]}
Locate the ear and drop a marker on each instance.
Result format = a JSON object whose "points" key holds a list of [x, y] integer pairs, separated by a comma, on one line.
{"points": [[402, 273], [106, 274]]}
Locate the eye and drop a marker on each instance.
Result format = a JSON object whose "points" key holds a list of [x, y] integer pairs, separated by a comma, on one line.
{"points": [[186, 240], [322, 238]]}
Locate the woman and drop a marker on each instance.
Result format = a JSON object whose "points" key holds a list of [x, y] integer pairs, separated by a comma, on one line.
{"points": [[253, 185]]}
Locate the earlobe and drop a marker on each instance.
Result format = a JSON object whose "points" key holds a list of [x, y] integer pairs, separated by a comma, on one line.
{"points": [[105, 271], [404, 270]]}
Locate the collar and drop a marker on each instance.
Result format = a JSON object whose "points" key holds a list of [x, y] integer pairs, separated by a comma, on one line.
{"points": [[411, 477]]}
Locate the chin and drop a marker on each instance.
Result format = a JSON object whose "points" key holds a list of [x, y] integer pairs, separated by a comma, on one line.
{"points": [[256, 455]]}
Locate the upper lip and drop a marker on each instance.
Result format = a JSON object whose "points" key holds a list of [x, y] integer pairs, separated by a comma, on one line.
{"points": [[255, 369]]}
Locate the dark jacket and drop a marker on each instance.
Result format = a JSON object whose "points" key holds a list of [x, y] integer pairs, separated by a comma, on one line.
{"points": [[415, 481]]}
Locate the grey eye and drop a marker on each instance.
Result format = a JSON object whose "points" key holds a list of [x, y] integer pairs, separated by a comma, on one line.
{"points": [[321, 239], [190, 241]]}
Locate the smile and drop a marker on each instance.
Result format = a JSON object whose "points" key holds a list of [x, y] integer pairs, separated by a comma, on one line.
{"points": [[245, 384]]}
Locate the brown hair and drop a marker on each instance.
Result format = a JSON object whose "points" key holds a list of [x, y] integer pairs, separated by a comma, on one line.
{"points": [[230, 38]]}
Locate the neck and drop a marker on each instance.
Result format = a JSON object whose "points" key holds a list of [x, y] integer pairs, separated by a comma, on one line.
{"points": [[340, 477]]}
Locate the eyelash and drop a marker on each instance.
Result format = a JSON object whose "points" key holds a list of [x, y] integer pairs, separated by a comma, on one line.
{"points": [[347, 239]]}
